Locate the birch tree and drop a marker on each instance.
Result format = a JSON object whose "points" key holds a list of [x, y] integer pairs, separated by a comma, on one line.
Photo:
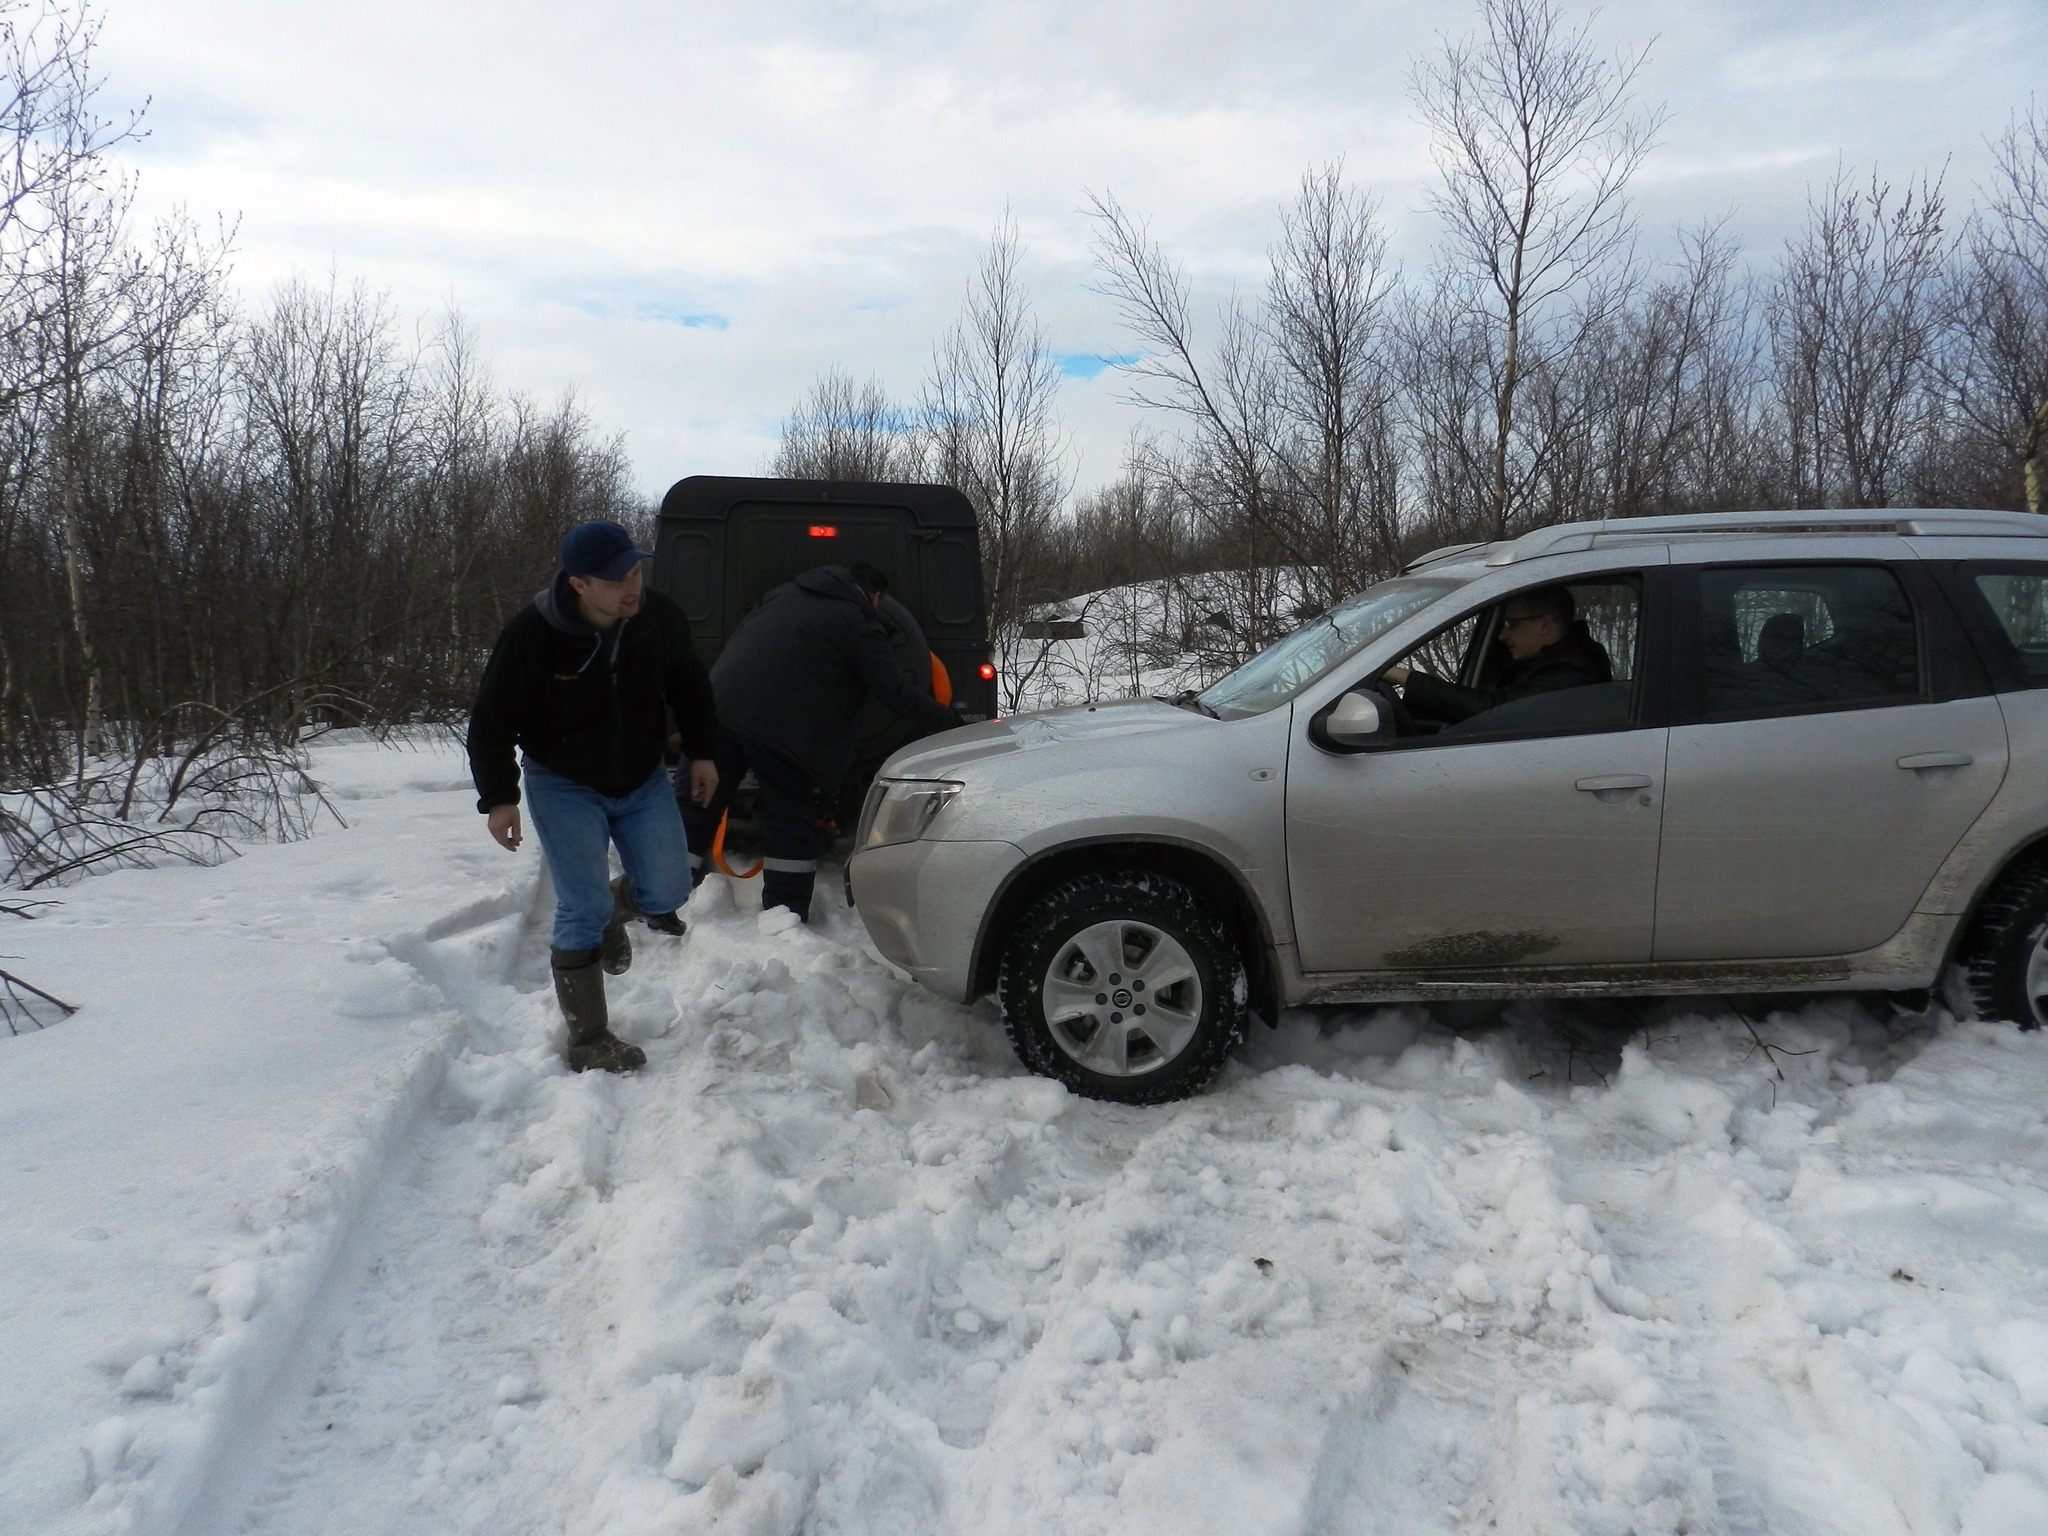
{"points": [[1536, 137]]}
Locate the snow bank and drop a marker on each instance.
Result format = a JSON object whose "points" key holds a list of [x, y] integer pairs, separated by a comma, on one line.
{"points": [[832, 1264], [187, 1153]]}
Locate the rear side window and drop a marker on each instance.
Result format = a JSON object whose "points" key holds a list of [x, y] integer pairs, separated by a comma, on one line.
{"points": [[2018, 601], [1786, 639]]}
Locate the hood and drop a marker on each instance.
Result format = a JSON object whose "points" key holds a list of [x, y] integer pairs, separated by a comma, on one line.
{"points": [[557, 604], [948, 755], [833, 581]]}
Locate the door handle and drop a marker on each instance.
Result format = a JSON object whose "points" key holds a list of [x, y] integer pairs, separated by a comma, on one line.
{"points": [[1920, 760], [1607, 781]]}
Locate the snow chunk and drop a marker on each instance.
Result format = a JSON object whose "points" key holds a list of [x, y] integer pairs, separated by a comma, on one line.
{"points": [[1469, 1282], [147, 1377], [1670, 1104], [1090, 1338], [737, 1422], [776, 920], [2018, 1352]]}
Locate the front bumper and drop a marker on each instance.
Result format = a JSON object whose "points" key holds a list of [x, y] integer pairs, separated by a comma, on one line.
{"points": [[923, 905]]}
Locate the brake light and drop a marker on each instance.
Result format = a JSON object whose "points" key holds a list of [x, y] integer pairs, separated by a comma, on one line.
{"points": [[987, 671], [824, 531]]}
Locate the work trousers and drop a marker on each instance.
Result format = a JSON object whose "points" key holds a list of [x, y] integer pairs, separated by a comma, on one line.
{"points": [[787, 806], [575, 823]]}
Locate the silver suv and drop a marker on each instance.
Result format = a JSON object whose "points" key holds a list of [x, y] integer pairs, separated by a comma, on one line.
{"points": [[1792, 751]]}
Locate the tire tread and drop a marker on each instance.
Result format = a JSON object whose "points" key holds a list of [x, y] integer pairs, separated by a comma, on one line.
{"points": [[1196, 1067], [2015, 908]]}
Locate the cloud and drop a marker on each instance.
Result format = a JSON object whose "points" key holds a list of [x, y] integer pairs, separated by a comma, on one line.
{"points": [[688, 211]]}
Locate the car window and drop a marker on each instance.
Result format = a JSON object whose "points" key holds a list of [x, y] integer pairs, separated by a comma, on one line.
{"points": [[1448, 652], [1782, 639], [2019, 602], [1287, 666], [1471, 685], [1612, 612]]}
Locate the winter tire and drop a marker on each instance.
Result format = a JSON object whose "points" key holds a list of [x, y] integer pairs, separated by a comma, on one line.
{"points": [[1125, 986], [2005, 955]]}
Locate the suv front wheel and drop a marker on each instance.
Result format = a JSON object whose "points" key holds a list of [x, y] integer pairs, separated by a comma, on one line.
{"points": [[1125, 986]]}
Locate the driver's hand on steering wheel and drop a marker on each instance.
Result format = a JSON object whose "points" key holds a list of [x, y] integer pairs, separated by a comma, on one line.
{"points": [[1397, 674]]}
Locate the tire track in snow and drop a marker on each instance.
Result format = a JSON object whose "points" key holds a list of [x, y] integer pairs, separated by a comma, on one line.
{"points": [[159, 1465], [414, 1344]]}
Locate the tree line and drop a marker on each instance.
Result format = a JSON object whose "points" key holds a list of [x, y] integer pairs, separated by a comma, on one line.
{"points": [[229, 520], [221, 521], [1539, 367]]}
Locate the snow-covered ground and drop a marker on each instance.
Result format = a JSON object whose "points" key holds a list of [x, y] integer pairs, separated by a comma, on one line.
{"points": [[307, 1231]]}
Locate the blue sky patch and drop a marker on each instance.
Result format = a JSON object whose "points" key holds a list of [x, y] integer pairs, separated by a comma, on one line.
{"points": [[662, 311], [692, 319], [1086, 365]]}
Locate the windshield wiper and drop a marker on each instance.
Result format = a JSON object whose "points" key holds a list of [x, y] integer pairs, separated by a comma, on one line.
{"points": [[1188, 699]]}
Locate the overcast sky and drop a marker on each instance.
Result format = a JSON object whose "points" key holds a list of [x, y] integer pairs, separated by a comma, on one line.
{"points": [[687, 210]]}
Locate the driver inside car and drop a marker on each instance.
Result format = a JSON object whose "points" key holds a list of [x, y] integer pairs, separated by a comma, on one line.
{"points": [[1549, 648]]}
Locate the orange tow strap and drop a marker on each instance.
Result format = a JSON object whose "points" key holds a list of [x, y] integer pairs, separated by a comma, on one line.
{"points": [[718, 852]]}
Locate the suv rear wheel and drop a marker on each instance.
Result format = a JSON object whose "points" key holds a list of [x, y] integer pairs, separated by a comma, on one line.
{"points": [[1125, 986], [2005, 956]]}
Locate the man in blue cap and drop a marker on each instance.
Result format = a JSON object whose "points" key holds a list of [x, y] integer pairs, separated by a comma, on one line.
{"points": [[583, 681]]}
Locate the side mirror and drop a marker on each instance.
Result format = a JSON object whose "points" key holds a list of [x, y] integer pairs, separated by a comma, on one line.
{"points": [[1358, 720]]}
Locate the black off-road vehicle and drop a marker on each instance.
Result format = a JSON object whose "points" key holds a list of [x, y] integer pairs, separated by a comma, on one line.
{"points": [[724, 541]]}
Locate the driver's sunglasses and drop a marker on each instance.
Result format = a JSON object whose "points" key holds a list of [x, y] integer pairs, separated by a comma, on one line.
{"points": [[1510, 620]]}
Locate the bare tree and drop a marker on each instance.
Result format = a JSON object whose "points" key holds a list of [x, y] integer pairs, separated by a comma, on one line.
{"points": [[986, 425], [1854, 325], [53, 147], [841, 430], [1228, 400], [1291, 461], [1996, 367], [1536, 137], [1326, 315], [1655, 408]]}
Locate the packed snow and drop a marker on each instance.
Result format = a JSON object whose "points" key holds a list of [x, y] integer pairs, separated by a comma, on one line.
{"points": [[309, 1231]]}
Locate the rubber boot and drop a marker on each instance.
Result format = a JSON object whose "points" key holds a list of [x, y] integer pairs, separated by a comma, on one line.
{"points": [[579, 988], [616, 947]]}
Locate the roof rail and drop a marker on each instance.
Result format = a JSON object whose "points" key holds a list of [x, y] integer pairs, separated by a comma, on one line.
{"points": [[1443, 552], [1566, 538]]}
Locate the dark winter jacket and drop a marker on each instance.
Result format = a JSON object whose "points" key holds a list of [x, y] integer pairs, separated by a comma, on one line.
{"points": [[878, 730], [590, 704], [796, 672], [1576, 661]]}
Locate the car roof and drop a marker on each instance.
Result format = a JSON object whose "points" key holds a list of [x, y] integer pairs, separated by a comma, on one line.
{"points": [[1706, 527]]}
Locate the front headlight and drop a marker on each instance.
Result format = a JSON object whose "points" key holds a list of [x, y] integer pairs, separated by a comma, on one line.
{"points": [[898, 811]]}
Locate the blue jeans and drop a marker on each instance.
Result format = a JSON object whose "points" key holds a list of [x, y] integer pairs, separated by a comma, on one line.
{"points": [[574, 823]]}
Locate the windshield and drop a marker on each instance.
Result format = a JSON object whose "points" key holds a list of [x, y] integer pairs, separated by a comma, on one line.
{"points": [[1287, 666]]}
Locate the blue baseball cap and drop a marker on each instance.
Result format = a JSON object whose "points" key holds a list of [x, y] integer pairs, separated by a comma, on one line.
{"points": [[601, 550]]}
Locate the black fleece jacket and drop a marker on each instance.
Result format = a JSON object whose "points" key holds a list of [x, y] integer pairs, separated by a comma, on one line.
{"points": [[591, 704], [796, 673], [1573, 662]]}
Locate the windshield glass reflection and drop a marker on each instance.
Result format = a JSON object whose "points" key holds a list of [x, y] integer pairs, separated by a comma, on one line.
{"points": [[1289, 665]]}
